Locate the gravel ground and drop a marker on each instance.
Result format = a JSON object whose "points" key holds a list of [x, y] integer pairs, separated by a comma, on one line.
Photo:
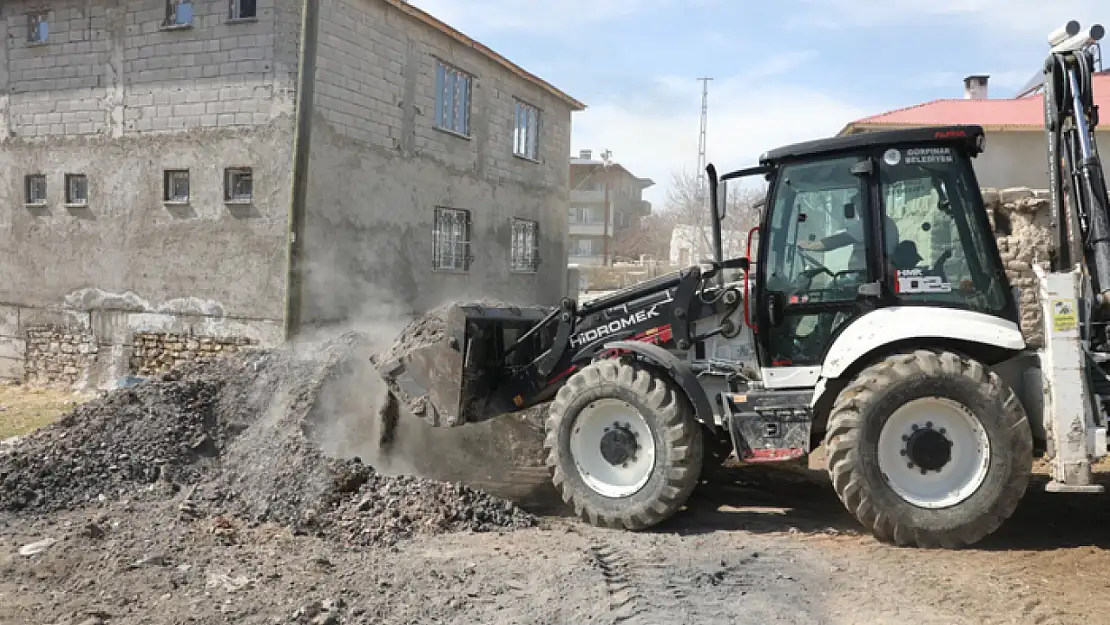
{"points": [[242, 492]]}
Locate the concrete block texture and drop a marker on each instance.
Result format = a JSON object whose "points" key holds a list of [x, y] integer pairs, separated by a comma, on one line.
{"points": [[127, 243], [379, 167], [107, 65]]}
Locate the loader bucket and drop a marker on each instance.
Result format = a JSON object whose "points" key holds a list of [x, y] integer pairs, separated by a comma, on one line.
{"points": [[458, 372]]}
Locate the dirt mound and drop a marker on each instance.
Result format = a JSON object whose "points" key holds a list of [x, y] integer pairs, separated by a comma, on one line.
{"points": [[235, 434]]}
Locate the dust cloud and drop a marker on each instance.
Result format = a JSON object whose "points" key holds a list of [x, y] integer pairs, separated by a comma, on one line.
{"points": [[503, 456]]}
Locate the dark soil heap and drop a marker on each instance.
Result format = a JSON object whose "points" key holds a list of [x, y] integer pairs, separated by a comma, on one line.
{"points": [[233, 434]]}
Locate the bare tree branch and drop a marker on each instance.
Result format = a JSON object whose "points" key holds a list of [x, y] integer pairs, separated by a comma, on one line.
{"points": [[689, 206]]}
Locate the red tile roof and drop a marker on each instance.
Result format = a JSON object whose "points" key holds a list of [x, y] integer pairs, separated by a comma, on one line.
{"points": [[993, 114]]}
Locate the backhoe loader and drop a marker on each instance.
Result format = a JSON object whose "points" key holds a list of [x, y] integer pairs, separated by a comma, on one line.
{"points": [[872, 313]]}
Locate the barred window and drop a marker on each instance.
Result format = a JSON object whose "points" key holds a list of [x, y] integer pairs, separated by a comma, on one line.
{"points": [[238, 184], [77, 189], [35, 189], [451, 240], [525, 246], [176, 186]]}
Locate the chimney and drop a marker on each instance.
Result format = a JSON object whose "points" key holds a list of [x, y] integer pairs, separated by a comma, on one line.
{"points": [[585, 154], [975, 87]]}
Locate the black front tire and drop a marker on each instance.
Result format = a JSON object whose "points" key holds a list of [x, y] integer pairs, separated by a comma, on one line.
{"points": [[863, 408], [676, 434]]}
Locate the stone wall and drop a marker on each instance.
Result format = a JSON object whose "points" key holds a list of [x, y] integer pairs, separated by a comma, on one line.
{"points": [[1021, 219], [157, 352], [58, 356], [61, 356]]}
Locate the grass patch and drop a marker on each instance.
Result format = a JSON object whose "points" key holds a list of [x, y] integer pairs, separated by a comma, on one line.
{"points": [[24, 409]]}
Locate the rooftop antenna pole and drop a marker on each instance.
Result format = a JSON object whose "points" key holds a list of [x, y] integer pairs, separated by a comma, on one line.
{"points": [[702, 201], [702, 135]]}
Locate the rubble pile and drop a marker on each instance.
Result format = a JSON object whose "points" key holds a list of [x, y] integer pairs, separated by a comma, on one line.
{"points": [[232, 435]]}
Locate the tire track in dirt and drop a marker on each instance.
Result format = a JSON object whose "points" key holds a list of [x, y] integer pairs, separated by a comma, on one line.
{"points": [[654, 584], [625, 600]]}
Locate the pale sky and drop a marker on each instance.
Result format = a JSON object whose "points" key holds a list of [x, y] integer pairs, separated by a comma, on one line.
{"points": [[784, 70]]}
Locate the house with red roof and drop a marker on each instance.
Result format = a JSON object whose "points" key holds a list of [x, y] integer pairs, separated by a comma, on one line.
{"points": [[1016, 149]]}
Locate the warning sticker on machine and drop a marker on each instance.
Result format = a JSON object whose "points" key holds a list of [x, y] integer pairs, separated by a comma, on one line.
{"points": [[1063, 315], [921, 156]]}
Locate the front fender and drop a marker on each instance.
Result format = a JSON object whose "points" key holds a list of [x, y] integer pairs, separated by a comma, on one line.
{"points": [[901, 323], [679, 371]]}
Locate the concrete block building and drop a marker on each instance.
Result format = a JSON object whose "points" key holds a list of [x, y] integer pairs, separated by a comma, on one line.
{"points": [[600, 187], [175, 184]]}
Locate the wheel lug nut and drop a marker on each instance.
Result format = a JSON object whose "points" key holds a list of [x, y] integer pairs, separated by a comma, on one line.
{"points": [[914, 427], [909, 465], [929, 424], [905, 437], [903, 452], [943, 431], [923, 471]]}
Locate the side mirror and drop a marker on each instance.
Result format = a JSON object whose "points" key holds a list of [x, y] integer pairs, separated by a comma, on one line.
{"points": [[776, 304]]}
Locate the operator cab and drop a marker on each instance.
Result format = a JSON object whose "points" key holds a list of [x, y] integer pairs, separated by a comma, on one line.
{"points": [[866, 221]]}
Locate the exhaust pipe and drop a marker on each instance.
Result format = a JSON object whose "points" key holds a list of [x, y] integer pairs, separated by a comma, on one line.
{"points": [[718, 213]]}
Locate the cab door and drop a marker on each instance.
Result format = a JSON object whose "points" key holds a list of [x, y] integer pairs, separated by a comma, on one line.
{"points": [[815, 273]]}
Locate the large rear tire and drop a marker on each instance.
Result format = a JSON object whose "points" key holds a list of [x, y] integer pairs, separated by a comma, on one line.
{"points": [[929, 449], [622, 445]]}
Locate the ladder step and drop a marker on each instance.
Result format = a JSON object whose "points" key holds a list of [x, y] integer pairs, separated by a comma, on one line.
{"points": [[1060, 487]]}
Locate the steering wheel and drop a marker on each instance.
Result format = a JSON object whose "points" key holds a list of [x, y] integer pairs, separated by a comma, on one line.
{"points": [[814, 265]]}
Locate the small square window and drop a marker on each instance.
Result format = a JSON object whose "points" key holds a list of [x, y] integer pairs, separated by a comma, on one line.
{"points": [[176, 186], [77, 189], [35, 191], [238, 185], [525, 246], [38, 27], [244, 9], [179, 13]]}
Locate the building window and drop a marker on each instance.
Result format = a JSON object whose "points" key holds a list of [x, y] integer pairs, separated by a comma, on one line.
{"points": [[179, 13], [451, 240], [581, 247], [176, 186], [35, 189], [77, 189], [244, 9], [526, 246], [452, 99], [38, 27], [526, 133], [238, 185]]}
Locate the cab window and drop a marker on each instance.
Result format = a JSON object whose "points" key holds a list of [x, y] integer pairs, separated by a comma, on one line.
{"points": [[940, 255]]}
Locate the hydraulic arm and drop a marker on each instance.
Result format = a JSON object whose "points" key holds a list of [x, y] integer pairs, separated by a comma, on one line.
{"points": [[1075, 169]]}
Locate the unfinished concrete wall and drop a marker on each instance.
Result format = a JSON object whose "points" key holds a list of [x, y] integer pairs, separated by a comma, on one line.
{"points": [[379, 168], [1016, 159], [114, 95]]}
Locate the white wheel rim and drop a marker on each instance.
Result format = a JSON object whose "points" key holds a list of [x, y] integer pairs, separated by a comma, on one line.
{"points": [[593, 424], [901, 455]]}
